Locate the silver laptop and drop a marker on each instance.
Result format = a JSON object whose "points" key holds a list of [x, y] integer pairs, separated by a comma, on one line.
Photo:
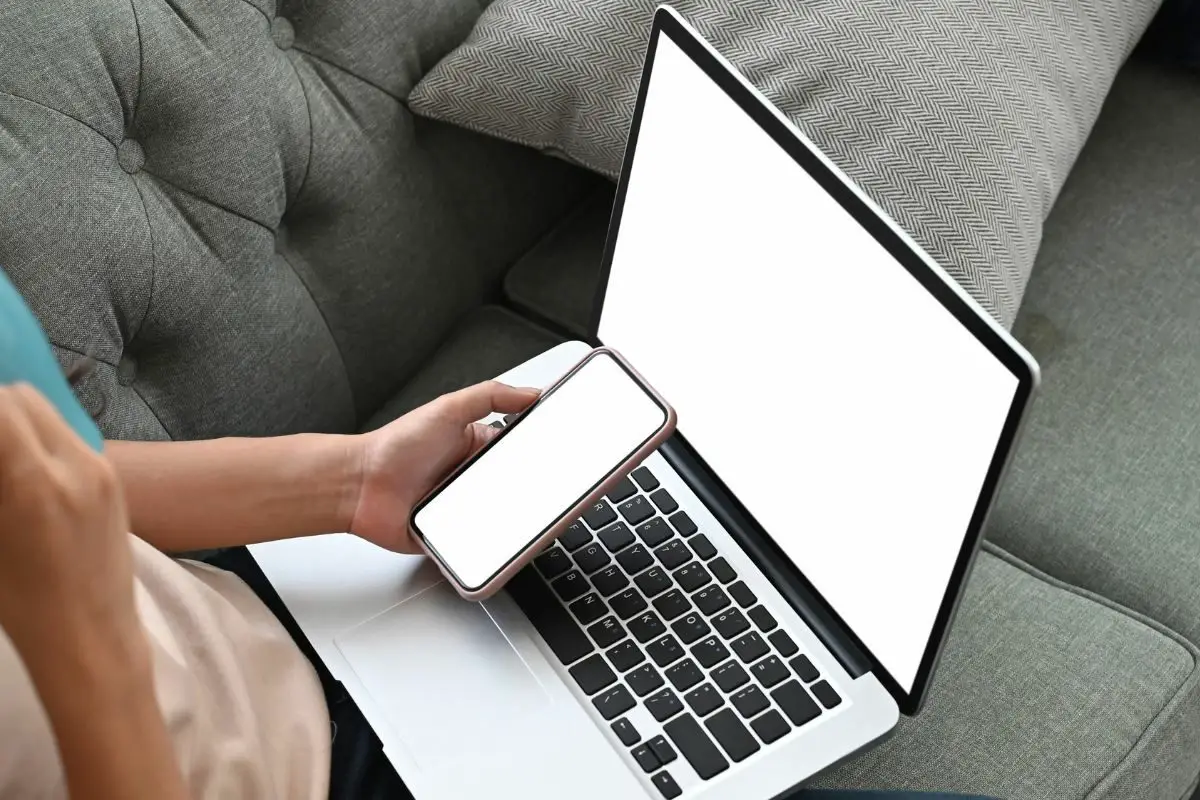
{"points": [[770, 591]]}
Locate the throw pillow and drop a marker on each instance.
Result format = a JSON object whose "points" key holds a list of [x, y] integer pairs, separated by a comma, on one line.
{"points": [[960, 117]]}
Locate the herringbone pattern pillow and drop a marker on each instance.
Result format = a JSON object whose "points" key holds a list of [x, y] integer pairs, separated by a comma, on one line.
{"points": [[960, 117]]}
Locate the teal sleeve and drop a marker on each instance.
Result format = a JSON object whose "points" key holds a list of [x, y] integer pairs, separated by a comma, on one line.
{"points": [[25, 355]]}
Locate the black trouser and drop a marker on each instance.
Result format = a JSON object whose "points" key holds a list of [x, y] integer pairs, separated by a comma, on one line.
{"points": [[360, 771]]}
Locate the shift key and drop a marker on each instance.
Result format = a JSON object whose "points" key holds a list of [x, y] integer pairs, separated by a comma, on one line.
{"points": [[552, 621]]}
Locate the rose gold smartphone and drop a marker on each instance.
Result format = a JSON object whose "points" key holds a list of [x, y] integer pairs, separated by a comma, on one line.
{"points": [[522, 490]]}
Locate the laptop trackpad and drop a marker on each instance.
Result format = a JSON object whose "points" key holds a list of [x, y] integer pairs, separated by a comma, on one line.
{"points": [[446, 678]]}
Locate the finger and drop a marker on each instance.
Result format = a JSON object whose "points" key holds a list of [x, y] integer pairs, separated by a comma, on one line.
{"points": [[476, 402], [19, 441], [47, 423], [480, 435]]}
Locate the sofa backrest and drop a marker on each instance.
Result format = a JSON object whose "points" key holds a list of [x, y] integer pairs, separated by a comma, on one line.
{"points": [[227, 204]]}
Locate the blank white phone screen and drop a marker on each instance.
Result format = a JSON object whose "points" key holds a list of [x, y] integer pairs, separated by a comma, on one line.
{"points": [[551, 459]]}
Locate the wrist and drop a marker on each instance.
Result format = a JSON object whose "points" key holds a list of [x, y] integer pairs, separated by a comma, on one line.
{"points": [[336, 473]]}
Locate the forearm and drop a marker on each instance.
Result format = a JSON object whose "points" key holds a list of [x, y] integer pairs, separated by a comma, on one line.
{"points": [[225, 492], [98, 691]]}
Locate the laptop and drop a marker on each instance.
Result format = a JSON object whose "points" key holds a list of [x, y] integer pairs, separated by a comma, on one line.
{"points": [[770, 591]]}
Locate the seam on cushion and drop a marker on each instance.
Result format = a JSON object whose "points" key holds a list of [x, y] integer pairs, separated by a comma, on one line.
{"points": [[1168, 708], [340, 68], [137, 97], [82, 354], [153, 262], [210, 202], [311, 132], [153, 413], [15, 96]]}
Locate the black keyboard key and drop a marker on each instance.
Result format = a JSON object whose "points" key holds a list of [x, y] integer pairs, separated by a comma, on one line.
{"points": [[826, 694], [732, 735], [645, 479], [575, 536], [634, 559], [610, 580], [730, 676], [627, 603], [615, 702], [663, 705], [667, 786], [750, 647], [644, 680], [770, 727], [625, 655], [693, 576], [599, 515], [730, 623], [684, 675], [616, 537], [742, 595], [763, 619], [711, 599], [654, 532], [645, 758], [607, 632], [653, 581], [696, 746], [796, 703], [804, 668], [702, 547], [636, 510], [593, 674], [721, 570], [662, 750], [770, 671], [683, 523], [672, 604], [646, 626], [591, 558], [673, 554], [689, 628], [552, 563], [666, 504], [783, 643], [555, 624], [750, 701], [570, 586], [622, 491], [625, 731], [664, 651], [704, 699], [589, 609], [710, 652]]}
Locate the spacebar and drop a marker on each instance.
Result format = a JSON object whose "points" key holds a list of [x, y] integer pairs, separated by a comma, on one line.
{"points": [[553, 622]]}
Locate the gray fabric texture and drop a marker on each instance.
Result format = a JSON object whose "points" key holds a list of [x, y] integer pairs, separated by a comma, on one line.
{"points": [[227, 204], [1105, 490], [491, 341], [1046, 693], [960, 119]]}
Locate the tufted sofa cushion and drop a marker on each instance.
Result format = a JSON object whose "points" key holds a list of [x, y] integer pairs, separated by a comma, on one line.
{"points": [[227, 203]]}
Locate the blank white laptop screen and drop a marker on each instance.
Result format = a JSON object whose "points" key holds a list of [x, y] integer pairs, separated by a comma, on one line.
{"points": [[844, 406]]}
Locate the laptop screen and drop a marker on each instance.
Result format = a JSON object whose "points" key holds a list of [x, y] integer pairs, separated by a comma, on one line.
{"points": [[847, 409]]}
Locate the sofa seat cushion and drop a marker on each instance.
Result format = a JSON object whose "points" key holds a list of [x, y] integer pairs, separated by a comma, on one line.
{"points": [[1105, 489], [228, 205], [1046, 692], [489, 342]]}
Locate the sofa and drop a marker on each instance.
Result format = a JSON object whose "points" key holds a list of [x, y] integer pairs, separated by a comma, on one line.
{"points": [[230, 207]]}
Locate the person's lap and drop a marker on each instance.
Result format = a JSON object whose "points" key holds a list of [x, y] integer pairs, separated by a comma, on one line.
{"points": [[359, 769]]}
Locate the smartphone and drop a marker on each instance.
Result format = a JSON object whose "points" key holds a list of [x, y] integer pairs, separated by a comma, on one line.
{"points": [[521, 491]]}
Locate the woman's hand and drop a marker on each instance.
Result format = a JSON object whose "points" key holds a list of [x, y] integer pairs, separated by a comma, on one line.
{"points": [[404, 461], [65, 562]]}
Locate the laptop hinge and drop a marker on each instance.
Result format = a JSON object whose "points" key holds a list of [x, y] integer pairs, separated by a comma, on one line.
{"points": [[729, 513]]}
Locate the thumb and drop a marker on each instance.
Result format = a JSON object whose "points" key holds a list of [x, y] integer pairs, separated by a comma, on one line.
{"points": [[476, 402]]}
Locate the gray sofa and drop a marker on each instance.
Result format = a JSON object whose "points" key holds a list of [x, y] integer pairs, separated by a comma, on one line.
{"points": [[227, 204]]}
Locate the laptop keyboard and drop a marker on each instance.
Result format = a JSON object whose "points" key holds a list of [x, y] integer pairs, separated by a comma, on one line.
{"points": [[641, 608]]}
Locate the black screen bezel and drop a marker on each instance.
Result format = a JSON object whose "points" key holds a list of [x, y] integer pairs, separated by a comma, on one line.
{"points": [[665, 23], [506, 431]]}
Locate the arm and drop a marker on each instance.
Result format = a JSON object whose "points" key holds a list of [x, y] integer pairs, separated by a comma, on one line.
{"points": [[67, 604], [225, 492]]}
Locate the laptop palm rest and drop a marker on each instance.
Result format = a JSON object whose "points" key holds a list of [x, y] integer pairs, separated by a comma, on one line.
{"points": [[447, 679]]}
